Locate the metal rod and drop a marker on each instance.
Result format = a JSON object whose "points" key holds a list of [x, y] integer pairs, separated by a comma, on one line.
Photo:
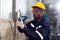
{"points": [[14, 16], [0, 35]]}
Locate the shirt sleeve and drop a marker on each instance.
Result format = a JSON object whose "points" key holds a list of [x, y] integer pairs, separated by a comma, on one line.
{"points": [[20, 30], [30, 33]]}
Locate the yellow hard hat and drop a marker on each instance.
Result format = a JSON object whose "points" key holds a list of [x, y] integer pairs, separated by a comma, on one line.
{"points": [[39, 5]]}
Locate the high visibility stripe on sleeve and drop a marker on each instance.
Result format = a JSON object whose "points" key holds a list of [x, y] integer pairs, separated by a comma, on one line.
{"points": [[40, 35], [32, 25]]}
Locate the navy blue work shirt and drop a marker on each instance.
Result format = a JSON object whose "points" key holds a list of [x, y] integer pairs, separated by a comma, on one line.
{"points": [[41, 26]]}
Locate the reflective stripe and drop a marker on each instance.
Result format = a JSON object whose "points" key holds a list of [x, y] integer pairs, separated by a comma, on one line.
{"points": [[32, 25], [40, 35], [38, 27]]}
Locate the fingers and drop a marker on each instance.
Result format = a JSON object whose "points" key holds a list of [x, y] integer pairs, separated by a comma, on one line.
{"points": [[20, 24]]}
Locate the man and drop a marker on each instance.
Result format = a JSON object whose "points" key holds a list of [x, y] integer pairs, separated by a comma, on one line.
{"points": [[37, 29]]}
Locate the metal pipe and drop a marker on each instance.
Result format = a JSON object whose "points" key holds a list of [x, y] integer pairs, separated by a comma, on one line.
{"points": [[39, 0], [0, 35], [14, 16]]}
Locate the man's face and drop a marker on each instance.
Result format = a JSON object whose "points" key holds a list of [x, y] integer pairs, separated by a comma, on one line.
{"points": [[37, 13]]}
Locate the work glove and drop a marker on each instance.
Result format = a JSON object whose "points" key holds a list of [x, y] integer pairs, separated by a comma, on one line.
{"points": [[20, 23]]}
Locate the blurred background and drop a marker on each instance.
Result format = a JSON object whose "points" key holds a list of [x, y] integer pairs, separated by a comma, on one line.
{"points": [[10, 8]]}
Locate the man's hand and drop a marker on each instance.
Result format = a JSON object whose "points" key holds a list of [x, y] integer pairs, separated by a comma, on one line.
{"points": [[20, 24]]}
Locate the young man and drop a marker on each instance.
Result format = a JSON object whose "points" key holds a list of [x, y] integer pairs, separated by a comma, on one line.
{"points": [[37, 29]]}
